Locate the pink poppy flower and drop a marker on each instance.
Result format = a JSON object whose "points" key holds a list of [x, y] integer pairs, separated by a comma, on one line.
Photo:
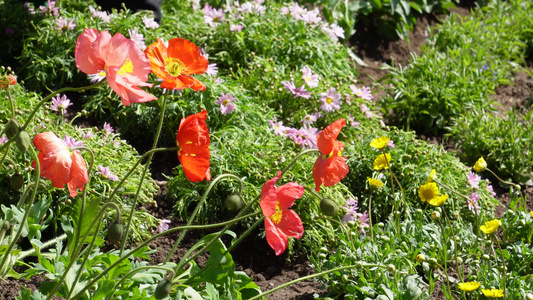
{"points": [[117, 58]]}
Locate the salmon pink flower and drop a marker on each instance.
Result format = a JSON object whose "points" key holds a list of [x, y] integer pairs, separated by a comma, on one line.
{"points": [[59, 164], [280, 221], [117, 58], [175, 62], [193, 142], [330, 167]]}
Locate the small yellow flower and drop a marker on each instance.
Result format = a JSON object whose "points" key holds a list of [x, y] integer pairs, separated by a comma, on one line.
{"points": [[382, 162], [380, 143], [420, 258], [490, 226], [431, 176], [480, 165], [437, 201], [374, 184], [428, 191], [492, 293], [469, 286], [531, 213]]}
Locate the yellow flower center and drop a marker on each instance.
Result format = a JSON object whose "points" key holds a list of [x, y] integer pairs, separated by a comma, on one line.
{"points": [[126, 68], [276, 217], [174, 66], [428, 194], [329, 100], [307, 78], [225, 102]]}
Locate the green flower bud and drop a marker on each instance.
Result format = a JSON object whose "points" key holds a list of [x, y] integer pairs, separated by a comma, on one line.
{"points": [[380, 225], [391, 268], [115, 232], [435, 215], [162, 289], [329, 207], [324, 250], [23, 141], [233, 202], [6, 225], [433, 261], [529, 296], [16, 182], [12, 129], [344, 278]]}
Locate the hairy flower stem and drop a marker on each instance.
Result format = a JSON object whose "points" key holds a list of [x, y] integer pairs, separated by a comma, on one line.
{"points": [[15, 238], [143, 175], [461, 269], [45, 245], [504, 268], [13, 114], [197, 208], [147, 242], [445, 245], [516, 186]]}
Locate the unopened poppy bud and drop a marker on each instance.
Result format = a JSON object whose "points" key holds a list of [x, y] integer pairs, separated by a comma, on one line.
{"points": [[115, 232], [435, 215], [16, 182], [486, 257], [324, 250], [322, 255], [23, 141], [12, 129], [6, 225], [433, 261], [391, 268], [162, 289], [380, 225], [329, 207], [233, 202]]}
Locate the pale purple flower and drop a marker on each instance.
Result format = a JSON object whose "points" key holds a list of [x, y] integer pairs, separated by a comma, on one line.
{"points": [[212, 16], [212, 69], [226, 103], [390, 144], [473, 205], [30, 8], [97, 77], [364, 108], [163, 226], [236, 27], [369, 114], [246, 7], [305, 137], [352, 214], [60, 104], [49, 7], [106, 173], [289, 85], [64, 24], [301, 92], [352, 121], [297, 11], [278, 127], [284, 11], [71, 142], [3, 140], [490, 188], [309, 119], [309, 78], [363, 93], [219, 80], [330, 100], [102, 15], [334, 31], [10, 31], [89, 135], [195, 4], [311, 17], [150, 23], [473, 179], [108, 129], [259, 9], [137, 37]]}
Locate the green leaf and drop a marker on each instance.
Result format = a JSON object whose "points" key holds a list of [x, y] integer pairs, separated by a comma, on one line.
{"points": [[192, 294]]}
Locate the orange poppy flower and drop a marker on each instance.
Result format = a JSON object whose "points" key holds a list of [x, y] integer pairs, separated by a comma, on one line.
{"points": [[330, 167], [59, 164], [280, 221], [176, 62], [193, 141]]}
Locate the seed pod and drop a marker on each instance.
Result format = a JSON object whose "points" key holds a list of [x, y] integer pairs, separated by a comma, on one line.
{"points": [[12, 129], [329, 207], [16, 182], [115, 232], [162, 289], [23, 141], [233, 202]]}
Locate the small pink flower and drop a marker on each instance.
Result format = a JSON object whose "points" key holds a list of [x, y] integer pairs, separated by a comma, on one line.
{"points": [[309, 119], [278, 127], [50, 8], [137, 37], [473, 179], [473, 205], [309, 78], [363, 93], [212, 69], [163, 226], [236, 27], [226, 103], [212, 16], [71, 142], [102, 15], [60, 104], [330, 100], [390, 144], [150, 23], [64, 24], [108, 129], [106, 173], [3, 140]]}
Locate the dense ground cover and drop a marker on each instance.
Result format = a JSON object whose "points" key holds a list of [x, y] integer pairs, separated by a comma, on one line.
{"points": [[281, 69]]}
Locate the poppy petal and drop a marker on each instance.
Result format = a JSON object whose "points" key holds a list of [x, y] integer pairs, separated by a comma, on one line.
{"points": [[319, 171], [54, 158], [326, 139], [86, 59], [196, 166], [189, 54], [291, 224], [78, 174], [287, 193], [193, 140], [275, 238], [268, 196]]}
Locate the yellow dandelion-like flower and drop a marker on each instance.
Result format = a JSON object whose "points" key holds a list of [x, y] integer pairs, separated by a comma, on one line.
{"points": [[490, 226], [428, 191], [382, 162], [480, 165], [380, 143], [374, 184], [437, 201], [431, 176], [492, 293], [469, 286], [420, 258]]}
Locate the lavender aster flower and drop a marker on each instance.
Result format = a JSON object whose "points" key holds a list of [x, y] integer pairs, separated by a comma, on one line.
{"points": [[64, 24], [163, 225], [105, 172], [108, 129], [49, 7], [71, 142], [473, 205], [3, 140], [226, 103], [301, 92], [150, 23], [473, 179], [60, 104], [277, 127], [363, 93], [330, 100], [309, 78], [236, 27], [212, 16], [137, 37], [212, 69]]}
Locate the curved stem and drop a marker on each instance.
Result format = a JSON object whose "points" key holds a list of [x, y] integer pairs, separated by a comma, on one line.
{"points": [[504, 272], [27, 209], [516, 186], [197, 208], [119, 283], [146, 167], [47, 244]]}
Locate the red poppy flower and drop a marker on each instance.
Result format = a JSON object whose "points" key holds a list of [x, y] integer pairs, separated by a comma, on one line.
{"points": [[281, 222], [59, 164], [330, 167], [193, 141], [176, 62]]}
